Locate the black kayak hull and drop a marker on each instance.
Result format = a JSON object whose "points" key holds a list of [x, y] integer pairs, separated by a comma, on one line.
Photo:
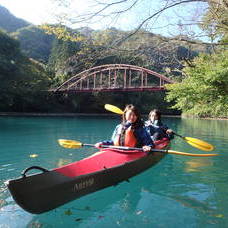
{"points": [[48, 190]]}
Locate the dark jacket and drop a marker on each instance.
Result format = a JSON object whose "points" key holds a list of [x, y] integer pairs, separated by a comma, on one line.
{"points": [[142, 136], [157, 130]]}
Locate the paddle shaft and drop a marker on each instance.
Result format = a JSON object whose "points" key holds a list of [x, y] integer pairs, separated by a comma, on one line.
{"points": [[72, 144], [126, 148], [152, 150], [114, 147], [178, 135], [133, 148]]}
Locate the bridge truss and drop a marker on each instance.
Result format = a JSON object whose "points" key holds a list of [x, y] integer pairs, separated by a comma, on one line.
{"points": [[115, 77]]}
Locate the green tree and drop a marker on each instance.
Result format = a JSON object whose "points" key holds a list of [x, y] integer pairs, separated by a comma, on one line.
{"points": [[204, 91], [34, 42], [61, 51], [22, 79]]}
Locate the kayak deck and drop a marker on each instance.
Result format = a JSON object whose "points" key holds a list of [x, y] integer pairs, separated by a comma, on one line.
{"points": [[104, 159]]}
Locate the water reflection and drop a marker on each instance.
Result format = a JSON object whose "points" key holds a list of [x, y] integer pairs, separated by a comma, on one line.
{"points": [[205, 128], [198, 164]]}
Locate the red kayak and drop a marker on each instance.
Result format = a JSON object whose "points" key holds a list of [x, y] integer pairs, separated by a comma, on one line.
{"points": [[50, 189]]}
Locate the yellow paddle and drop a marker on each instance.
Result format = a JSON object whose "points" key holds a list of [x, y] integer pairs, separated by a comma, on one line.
{"points": [[72, 144], [198, 143], [114, 109]]}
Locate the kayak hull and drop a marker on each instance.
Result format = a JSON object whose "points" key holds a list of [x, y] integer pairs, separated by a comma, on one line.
{"points": [[48, 190]]}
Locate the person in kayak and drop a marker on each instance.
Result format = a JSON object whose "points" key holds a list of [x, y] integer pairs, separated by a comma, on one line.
{"points": [[130, 132], [156, 128]]}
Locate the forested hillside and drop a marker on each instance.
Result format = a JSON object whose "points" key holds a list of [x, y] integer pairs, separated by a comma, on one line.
{"points": [[145, 49], [34, 42], [56, 60], [22, 80], [34, 59]]}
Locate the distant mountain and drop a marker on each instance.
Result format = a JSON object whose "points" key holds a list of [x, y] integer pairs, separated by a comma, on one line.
{"points": [[9, 22], [34, 42], [86, 31], [158, 53]]}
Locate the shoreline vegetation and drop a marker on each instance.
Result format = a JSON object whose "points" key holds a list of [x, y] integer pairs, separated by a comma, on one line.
{"points": [[33, 114]]}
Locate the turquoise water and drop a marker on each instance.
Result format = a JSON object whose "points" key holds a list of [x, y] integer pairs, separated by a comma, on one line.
{"points": [[180, 191]]}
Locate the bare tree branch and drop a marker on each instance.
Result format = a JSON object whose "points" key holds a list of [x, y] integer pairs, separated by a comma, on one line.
{"points": [[114, 15], [194, 42], [153, 15], [125, 10], [88, 17]]}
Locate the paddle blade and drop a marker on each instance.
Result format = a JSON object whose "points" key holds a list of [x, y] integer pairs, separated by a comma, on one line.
{"points": [[70, 144], [114, 109], [200, 144]]}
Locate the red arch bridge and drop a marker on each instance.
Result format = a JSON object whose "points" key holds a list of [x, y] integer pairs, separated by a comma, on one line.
{"points": [[115, 77]]}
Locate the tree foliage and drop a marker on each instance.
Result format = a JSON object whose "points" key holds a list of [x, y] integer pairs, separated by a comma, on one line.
{"points": [[34, 42], [204, 91], [21, 79], [60, 53], [144, 49]]}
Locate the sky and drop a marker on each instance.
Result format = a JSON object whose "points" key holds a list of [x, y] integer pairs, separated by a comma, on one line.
{"points": [[44, 11], [36, 12]]}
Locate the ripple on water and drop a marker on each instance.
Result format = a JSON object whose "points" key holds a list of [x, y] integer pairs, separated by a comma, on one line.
{"points": [[5, 165], [11, 215]]}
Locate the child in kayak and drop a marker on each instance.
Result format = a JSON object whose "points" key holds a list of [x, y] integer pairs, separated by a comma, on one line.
{"points": [[130, 132], [156, 128]]}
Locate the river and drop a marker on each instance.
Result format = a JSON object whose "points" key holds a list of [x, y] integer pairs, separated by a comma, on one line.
{"points": [[179, 191]]}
